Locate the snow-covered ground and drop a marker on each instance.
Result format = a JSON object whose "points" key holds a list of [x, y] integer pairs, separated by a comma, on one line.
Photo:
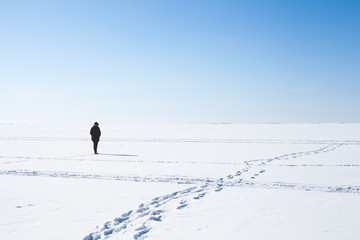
{"points": [[197, 181]]}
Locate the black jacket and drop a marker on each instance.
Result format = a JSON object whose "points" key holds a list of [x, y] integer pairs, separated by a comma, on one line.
{"points": [[95, 133]]}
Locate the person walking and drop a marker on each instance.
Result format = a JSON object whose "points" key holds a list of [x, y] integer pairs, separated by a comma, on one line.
{"points": [[95, 136]]}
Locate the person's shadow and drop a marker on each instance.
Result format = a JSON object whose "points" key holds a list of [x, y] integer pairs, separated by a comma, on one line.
{"points": [[117, 155]]}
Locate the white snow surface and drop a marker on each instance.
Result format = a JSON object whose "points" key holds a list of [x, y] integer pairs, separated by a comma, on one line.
{"points": [[195, 181]]}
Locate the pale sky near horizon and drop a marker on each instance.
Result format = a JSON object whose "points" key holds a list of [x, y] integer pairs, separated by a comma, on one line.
{"points": [[186, 61]]}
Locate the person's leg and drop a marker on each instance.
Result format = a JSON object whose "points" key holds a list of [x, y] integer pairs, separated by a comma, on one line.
{"points": [[95, 146]]}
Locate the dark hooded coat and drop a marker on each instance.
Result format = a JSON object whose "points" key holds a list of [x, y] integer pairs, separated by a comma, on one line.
{"points": [[95, 133]]}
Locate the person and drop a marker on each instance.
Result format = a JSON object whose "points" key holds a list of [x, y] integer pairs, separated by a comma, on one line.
{"points": [[95, 136]]}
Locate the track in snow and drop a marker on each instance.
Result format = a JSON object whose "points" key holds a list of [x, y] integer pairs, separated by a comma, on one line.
{"points": [[188, 140], [133, 178], [137, 223]]}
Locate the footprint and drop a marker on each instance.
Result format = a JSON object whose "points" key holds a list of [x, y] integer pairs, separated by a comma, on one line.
{"points": [[118, 229], [157, 212], [28, 205], [92, 236], [119, 220], [188, 190], [201, 195], [158, 218], [142, 208], [218, 189], [108, 232], [107, 225], [142, 230], [182, 204]]}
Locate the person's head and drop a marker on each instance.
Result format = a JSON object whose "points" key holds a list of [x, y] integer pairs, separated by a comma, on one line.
{"points": [[96, 124]]}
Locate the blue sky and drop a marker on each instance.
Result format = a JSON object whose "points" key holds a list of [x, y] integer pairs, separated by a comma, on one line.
{"points": [[187, 61]]}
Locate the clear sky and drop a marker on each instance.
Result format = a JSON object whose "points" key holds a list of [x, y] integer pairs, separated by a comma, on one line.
{"points": [[184, 61]]}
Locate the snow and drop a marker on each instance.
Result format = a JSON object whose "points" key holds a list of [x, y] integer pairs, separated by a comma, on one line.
{"points": [[195, 181]]}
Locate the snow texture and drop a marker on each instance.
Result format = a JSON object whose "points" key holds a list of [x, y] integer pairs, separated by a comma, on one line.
{"points": [[181, 182]]}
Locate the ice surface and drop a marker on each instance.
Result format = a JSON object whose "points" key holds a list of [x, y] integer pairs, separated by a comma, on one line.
{"points": [[198, 181]]}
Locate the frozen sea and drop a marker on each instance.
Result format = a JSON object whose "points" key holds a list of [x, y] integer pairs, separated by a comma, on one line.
{"points": [[195, 181]]}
